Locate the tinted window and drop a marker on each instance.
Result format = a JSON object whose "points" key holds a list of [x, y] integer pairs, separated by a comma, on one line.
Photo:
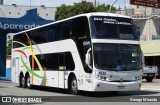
{"points": [[61, 59], [69, 63], [77, 27], [54, 61], [67, 29], [47, 61], [117, 56], [82, 26], [20, 38], [113, 28], [70, 29], [43, 35], [55, 32], [34, 36], [39, 36], [105, 55]]}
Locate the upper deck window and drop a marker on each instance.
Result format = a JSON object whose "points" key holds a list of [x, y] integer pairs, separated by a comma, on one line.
{"points": [[105, 27]]}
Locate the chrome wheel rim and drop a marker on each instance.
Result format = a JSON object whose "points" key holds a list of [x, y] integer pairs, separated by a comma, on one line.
{"points": [[28, 82], [23, 81], [74, 85]]}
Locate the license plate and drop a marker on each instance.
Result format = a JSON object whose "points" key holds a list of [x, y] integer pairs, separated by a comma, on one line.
{"points": [[121, 87]]}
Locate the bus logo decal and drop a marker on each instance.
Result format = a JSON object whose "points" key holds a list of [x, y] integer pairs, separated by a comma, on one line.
{"points": [[85, 43], [31, 50]]}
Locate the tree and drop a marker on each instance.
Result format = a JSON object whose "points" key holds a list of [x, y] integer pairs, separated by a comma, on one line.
{"points": [[9, 47], [105, 8], [78, 8], [62, 12]]}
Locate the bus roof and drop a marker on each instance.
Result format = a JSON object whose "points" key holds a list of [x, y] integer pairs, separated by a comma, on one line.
{"points": [[86, 14]]}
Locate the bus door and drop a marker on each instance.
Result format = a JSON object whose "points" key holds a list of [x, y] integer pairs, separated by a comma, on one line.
{"points": [[16, 70], [61, 70]]}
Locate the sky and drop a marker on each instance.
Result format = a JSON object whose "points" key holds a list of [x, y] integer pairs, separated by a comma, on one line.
{"points": [[56, 3]]}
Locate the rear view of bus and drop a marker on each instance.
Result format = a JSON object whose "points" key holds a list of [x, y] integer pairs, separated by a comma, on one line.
{"points": [[116, 53]]}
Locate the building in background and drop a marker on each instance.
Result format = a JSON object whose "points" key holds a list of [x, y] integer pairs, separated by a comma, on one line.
{"points": [[147, 20], [15, 18], [139, 10], [1, 2], [17, 11]]}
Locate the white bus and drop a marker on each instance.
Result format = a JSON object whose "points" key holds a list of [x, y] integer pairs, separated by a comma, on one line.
{"points": [[89, 52]]}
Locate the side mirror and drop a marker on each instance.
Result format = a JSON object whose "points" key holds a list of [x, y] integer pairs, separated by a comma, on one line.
{"points": [[88, 58]]}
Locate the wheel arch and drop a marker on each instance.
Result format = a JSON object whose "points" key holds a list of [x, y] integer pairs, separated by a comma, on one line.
{"points": [[27, 74]]}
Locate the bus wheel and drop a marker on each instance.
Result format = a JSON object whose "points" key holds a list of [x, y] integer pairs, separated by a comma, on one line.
{"points": [[28, 82], [149, 79], [22, 82], [74, 86]]}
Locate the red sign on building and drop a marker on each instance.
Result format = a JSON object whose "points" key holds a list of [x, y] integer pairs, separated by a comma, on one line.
{"points": [[148, 3]]}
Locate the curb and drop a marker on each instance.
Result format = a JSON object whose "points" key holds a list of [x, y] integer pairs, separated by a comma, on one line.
{"points": [[4, 78]]}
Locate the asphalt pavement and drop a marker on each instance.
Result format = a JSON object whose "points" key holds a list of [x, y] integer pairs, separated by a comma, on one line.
{"points": [[53, 96], [152, 86]]}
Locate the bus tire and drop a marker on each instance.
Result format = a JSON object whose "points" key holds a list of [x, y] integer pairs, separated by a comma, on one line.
{"points": [[73, 86], [28, 82], [149, 79], [22, 81]]}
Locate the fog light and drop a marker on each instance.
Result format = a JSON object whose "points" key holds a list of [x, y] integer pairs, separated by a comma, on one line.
{"points": [[98, 85]]}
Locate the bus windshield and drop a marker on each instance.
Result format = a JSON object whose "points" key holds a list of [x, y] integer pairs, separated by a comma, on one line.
{"points": [[122, 57], [105, 27]]}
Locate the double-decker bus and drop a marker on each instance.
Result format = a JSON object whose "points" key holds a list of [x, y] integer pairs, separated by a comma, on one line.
{"points": [[88, 52]]}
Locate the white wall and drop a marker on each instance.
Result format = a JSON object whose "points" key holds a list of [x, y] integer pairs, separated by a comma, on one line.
{"points": [[16, 11], [148, 27], [8, 62]]}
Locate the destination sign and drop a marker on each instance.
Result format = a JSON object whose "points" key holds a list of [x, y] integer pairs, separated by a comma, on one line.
{"points": [[147, 3]]}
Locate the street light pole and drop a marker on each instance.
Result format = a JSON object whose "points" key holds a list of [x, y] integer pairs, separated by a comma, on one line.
{"points": [[111, 6]]}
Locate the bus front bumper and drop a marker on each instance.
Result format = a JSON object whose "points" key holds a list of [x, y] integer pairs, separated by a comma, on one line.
{"points": [[99, 85]]}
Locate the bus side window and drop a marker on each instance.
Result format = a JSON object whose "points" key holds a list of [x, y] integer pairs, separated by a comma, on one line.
{"points": [[82, 26], [51, 34], [61, 61], [55, 32], [47, 61], [82, 38], [52, 61], [69, 62], [20, 38], [34, 36], [67, 29], [15, 38], [43, 35]]}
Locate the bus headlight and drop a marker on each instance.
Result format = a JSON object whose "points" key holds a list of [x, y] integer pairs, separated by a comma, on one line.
{"points": [[103, 78]]}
